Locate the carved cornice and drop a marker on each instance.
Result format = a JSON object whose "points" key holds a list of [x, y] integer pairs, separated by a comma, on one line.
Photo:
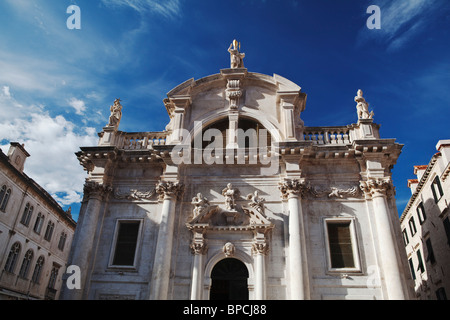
{"points": [[376, 187], [169, 189]]}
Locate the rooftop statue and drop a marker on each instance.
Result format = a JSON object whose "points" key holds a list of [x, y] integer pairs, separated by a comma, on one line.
{"points": [[362, 107], [116, 114], [237, 58]]}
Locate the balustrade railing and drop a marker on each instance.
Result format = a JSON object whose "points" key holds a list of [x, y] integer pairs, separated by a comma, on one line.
{"points": [[328, 135], [143, 140]]}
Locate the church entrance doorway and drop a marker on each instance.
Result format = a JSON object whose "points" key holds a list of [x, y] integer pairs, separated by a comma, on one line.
{"points": [[229, 280]]}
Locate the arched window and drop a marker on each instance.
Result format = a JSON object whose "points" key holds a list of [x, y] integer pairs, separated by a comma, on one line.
{"points": [[5, 193], [12, 257], [250, 134], [38, 269], [49, 231], [26, 264], [62, 241], [39, 222], [26, 216]]}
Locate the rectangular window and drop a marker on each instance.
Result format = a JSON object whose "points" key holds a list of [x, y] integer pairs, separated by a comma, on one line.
{"points": [[437, 189], [430, 256], [447, 229], [405, 237], [412, 226], [411, 268], [421, 213], [342, 249], [126, 243], [420, 261]]}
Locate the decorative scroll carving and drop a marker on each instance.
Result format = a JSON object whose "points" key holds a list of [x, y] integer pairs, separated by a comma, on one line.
{"points": [[169, 189], [362, 107], [134, 194], [377, 187], [234, 92], [335, 192]]}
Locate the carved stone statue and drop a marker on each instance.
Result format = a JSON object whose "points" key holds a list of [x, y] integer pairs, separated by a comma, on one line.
{"points": [[200, 202], [230, 194], [116, 114], [229, 249], [237, 58], [362, 107], [256, 201]]}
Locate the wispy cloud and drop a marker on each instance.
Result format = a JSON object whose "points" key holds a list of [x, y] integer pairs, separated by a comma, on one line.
{"points": [[401, 21], [167, 8]]}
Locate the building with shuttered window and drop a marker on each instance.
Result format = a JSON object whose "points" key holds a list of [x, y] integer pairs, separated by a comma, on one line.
{"points": [[35, 233], [238, 199], [426, 226]]}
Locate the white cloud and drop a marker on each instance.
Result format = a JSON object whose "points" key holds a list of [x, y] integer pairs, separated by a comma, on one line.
{"points": [[6, 92], [78, 105], [401, 21], [167, 8], [52, 143]]}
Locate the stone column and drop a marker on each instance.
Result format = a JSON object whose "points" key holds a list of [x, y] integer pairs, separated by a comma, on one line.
{"points": [[259, 250], [81, 253], [198, 248], [377, 189], [159, 284], [292, 190]]}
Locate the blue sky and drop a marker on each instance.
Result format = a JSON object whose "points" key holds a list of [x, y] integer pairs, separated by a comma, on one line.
{"points": [[57, 84]]}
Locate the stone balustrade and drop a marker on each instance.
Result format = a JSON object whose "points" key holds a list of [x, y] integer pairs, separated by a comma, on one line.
{"points": [[328, 135], [142, 140]]}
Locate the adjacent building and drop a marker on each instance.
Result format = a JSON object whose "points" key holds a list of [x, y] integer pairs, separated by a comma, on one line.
{"points": [[238, 199], [35, 233], [426, 226]]}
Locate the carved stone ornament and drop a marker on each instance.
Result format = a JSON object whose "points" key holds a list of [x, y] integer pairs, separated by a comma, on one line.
{"points": [[236, 58], [200, 203], [134, 194], [377, 187], [229, 249], [335, 192], [95, 189], [257, 202], [293, 187], [116, 114], [260, 248], [169, 189], [234, 92], [362, 107], [198, 247], [230, 195]]}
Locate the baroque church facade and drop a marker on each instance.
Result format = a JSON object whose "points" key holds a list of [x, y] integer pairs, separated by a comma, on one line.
{"points": [[238, 199]]}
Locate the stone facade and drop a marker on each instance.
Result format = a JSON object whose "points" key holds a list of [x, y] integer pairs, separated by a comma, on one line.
{"points": [[206, 208], [426, 227], [35, 233]]}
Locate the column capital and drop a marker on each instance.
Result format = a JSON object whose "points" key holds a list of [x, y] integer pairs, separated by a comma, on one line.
{"points": [[93, 189], [293, 188], [259, 247], [377, 187], [169, 189]]}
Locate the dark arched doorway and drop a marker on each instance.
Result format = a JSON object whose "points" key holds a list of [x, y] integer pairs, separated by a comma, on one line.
{"points": [[229, 280]]}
